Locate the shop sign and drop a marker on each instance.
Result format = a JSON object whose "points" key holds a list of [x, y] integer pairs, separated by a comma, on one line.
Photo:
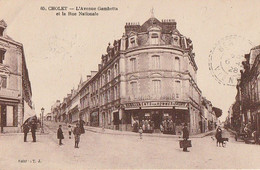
{"points": [[155, 103]]}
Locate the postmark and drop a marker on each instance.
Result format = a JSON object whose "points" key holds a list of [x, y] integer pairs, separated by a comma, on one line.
{"points": [[225, 59]]}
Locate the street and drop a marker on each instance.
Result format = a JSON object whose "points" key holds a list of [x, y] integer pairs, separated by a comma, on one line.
{"points": [[113, 151]]}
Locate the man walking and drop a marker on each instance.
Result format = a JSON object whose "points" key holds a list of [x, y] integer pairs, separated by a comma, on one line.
{"points": [[33, 130], [60, 135], [25, 131], [185, 136], [77, 133]]}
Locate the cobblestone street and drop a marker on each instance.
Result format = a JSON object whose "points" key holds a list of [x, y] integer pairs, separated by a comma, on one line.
{"points": [[113, 151]]}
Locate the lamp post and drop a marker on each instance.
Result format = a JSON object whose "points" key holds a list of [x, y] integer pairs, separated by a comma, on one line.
{"points": [[42, 111]]}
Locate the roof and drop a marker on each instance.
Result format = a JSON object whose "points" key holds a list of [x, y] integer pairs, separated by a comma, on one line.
{"points": [[150, 22]]}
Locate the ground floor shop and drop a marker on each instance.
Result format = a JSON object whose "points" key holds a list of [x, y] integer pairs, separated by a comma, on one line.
{"points": [[11, 116], [168, 119]]}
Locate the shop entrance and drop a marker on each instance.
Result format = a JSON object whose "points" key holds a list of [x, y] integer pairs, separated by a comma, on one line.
{"points": [[157, 119]]}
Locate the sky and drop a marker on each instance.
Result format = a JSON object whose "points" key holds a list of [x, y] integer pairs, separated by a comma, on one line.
{"points": [[61, 49]]}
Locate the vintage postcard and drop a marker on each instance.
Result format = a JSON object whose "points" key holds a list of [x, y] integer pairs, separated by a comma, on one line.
{"points": [[140, 84]]}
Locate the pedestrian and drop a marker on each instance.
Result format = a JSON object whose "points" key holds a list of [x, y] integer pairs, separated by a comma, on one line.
{"points": [[33, 130], [218, 135], [81, 125], [140, 132], [70, 131], [25, 131], [60, 135], [185, 136], [77, 133]]}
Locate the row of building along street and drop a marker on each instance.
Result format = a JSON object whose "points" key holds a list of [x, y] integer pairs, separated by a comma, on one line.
{"points": [[244, 114], [147, 77]]}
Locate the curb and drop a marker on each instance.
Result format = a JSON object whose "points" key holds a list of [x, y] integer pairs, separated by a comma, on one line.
{"points": [[149, 135]]}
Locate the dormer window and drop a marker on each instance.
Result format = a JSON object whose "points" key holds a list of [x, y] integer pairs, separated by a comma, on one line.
{"points": [[132, 42], [154, 38]]}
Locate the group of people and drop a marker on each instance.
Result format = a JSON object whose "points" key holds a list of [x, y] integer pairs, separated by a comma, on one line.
{"points": [[167, 126], [26, 130], [77, 131], [146, 125]]}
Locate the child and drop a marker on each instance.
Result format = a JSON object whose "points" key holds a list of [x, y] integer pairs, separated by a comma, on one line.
{"points": [[140, 132], [70, 130], [77, 133], [60, 135]]}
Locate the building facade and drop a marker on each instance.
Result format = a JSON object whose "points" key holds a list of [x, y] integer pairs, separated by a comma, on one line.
{"points": [[246, 110], [15, 86], [147, 76]]}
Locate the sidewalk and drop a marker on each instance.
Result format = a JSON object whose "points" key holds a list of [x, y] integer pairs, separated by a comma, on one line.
{"points": [[160, 135]]}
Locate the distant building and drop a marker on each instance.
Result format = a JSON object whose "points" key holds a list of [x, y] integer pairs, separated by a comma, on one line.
{"points": [[55, 110], [15, 86], [247, 110]]}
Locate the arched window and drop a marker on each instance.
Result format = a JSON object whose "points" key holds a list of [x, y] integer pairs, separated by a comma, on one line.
{"points": [[177, 64], [154, 38]]}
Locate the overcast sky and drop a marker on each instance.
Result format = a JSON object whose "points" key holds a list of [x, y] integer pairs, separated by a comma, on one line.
{"points": [[59, 50]]}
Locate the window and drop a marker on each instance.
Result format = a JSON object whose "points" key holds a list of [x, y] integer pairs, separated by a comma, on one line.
{"points": [[133, 64], [177, 64], [155, 62], [104, 79], [108, 96], [3, 81], [132, 42], [154, 38], [178, 89], [133, 89], [115, 93], [2, 55], [116, 70], [108, 76], [156, 87]]}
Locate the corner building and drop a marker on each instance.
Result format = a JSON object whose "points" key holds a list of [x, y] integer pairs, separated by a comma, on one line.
{"points": [[15, 87], [148, 76]]}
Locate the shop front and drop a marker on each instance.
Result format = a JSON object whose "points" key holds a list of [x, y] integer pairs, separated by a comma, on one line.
{"points": [[9, 117], [156, 117]]}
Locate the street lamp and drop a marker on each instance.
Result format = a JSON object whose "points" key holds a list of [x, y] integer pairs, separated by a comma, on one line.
{"points": [[42, 110]]}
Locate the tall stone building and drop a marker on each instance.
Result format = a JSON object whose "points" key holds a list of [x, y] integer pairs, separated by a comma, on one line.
{"points": [[15, 86], [149, 76]]}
